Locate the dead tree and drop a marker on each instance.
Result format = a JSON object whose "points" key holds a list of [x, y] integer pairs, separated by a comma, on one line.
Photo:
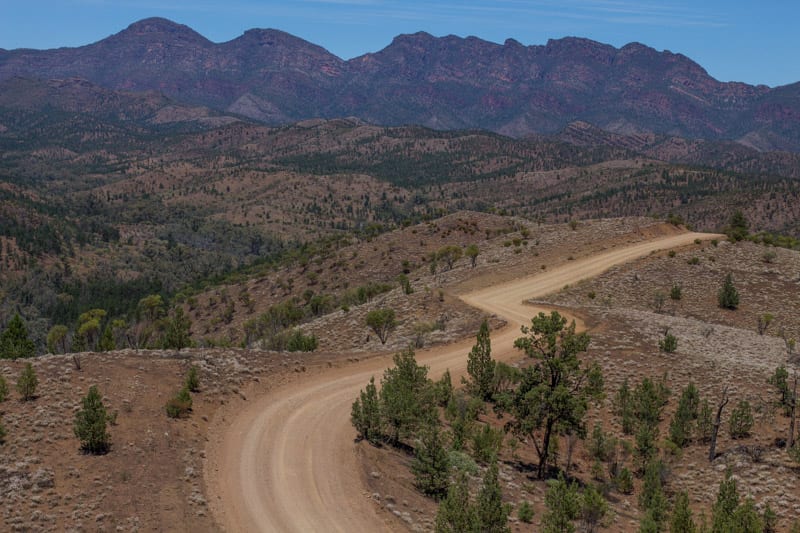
{"points": [[712, 450], [790, 440]]}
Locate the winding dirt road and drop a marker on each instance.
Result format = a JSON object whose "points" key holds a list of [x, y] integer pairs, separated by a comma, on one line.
{"points": [[287, 461]]}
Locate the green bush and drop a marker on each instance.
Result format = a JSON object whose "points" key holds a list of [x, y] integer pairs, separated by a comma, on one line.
{"points": [[179, 405], [27, 383], [669, 343], [728, 296], [741, 421], [525, 512], [192, 379], [624, 481], [676, 292]]}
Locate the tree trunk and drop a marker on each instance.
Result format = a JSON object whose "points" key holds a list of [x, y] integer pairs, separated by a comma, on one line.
{"points": [[712, 450], [545, 450], [790, 440]]}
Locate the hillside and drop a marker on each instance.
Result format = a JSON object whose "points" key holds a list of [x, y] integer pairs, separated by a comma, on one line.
{"points": [[156, 474], [444, 83]]}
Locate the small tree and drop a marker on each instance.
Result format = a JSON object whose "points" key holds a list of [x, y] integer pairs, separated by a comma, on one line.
{"points": [[178, 331], [669, 343], [652, 499], [763, 322], [27, 383], [14, 342], [480, 365], [728, 296], [741, 421], [680, 428], [90, 423], [2, 432], [406, 395], [192, 381], [366, 414], [737, 228], [593, 509], [555, 391], [780, 380], [563, 506], [57, 339], [681, 520], [676, 292], [472, 253], [449, 255], [179, 405], [492, 514], [456, 514], [382, 322], [430, 466]]}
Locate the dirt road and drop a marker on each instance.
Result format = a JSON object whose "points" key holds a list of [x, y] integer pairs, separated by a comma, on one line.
{"points": [[287, 461]]}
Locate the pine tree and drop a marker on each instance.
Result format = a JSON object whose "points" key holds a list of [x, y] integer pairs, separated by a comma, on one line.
{"points": [[90, 423], [406, 396], [456, 514], [431, 467], [555, 392], [480, 365], [725, 506], [728, 296], [27, 383], [178, 333], [491, 513], [593, 508], [652, 499], [680, 428], [563, 505], [14, 342], [366, 414], [681, 520], [192, 381]]}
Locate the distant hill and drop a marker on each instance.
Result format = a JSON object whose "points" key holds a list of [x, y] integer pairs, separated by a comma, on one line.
{"points": [[442, 83]]}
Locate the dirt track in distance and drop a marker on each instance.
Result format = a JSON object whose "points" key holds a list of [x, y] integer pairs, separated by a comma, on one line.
{"points": [[287, 462]]}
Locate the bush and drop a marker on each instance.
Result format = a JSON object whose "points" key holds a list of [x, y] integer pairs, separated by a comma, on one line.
{"points": [[180, 404], [624, 481], [27, 383], [525, 512], [676, 292], [728, 296], [90, 423], [192, 380], [669, 343], [486, 444], [741, 421]]}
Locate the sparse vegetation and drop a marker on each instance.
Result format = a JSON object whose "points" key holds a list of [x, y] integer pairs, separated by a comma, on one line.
{"points": [[27, 383]]}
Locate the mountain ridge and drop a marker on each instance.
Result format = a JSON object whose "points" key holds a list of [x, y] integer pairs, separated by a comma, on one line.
{"points": [[446, 82]]}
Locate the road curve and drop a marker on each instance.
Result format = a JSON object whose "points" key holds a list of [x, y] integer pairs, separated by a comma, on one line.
{"points": [[287, 462]]}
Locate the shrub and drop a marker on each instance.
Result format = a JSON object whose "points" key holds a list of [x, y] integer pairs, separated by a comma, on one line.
{"points": [[27, 383], [741, 421], [728, 296], [90, 423], [192, 380], [669, 343], [525, 512], [486, 443], [179, 405], [624, 481], [676, 292], [2, 433], [694, 261]]}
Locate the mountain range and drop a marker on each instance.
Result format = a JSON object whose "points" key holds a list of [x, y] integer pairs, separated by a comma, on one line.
{"points": [[442, 83]]}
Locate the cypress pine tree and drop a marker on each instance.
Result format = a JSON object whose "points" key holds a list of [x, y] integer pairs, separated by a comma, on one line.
{"points": [[563, 505], [480, 365], [366, 413], [27, 383], [491, 513], [431, 467], [728, 296], [681, 520], [90, 423], [456, 514], [14, 342]]}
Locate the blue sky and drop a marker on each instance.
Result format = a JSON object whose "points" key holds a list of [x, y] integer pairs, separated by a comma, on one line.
{"points": [[751, 41]]}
